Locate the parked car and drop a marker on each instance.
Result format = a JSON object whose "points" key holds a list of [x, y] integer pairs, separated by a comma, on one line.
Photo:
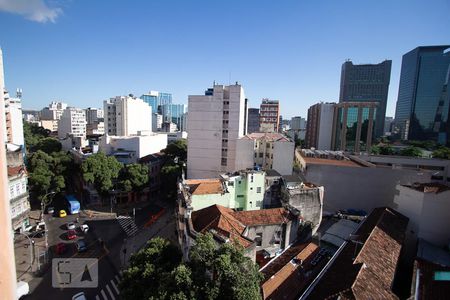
{"points": [[61, 248], [22, 289], [79, 296], [51, 210], [84, 228], [62, 213], [71, 234], [70, 226], [81, 246]]}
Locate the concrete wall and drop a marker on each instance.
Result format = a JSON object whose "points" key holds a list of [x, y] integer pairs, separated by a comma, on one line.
{"points": [[245, 154], [325, 127], [269, 235], [283, 157], [360, 188], [428, 213]]}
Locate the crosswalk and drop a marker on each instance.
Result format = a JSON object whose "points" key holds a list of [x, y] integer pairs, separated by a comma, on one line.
{"points": [[127, 224], [110, 291]]}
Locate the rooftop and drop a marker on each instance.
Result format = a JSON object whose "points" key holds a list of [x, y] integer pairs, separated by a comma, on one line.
{"points": [[204, 186], [430, 187], [365, 267], [270, 137], [433, 281], [330, 162]]}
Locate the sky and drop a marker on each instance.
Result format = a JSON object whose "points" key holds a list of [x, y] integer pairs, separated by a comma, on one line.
{"points": [[83, 52]]}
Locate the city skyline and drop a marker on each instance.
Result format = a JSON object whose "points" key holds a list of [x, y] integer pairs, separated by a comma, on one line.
{"points": [[291, 51]]}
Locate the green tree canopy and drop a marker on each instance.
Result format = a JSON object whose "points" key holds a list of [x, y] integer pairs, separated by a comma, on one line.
{"points": [[177, 149], [157, 272], [133, 177], [442, 152], [411, 151], [101, 170], [33, 134], [48, 145]]}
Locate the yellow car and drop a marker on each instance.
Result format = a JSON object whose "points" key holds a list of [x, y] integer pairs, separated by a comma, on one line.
{"points": [[62, 213]]}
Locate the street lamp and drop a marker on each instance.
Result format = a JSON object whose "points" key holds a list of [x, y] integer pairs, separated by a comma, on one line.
{"points": [[44, 203], [110, 199]]}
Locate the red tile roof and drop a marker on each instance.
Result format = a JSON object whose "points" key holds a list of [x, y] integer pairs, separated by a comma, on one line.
{"points": [[16, 171], [366, 271], [263, 216], [205, 186]]}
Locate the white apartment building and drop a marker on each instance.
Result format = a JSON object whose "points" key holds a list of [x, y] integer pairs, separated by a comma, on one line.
{"points": [[267, 151], [72, 123], [95, 128], [54, 111], [215, 121], [157, 121], [51, 125], [14, 121], [126, 115]]}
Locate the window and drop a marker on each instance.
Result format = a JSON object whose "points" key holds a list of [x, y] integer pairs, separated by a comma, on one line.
{"points": [[256, 155], [258, 189], [240, 196], [251, 189], [260, 154], [230, 183], [239, 182], [251, 178], [258, 239], [224, 162]]}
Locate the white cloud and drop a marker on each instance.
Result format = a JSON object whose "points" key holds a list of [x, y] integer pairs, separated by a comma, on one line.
{"points": [[34, 10]]}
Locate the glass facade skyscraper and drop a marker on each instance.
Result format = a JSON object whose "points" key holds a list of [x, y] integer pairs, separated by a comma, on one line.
{"points": [[157, 99], [367, 83], [423, 100]]}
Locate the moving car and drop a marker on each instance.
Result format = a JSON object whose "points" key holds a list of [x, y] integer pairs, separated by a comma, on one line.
{"points": [[81, 246], [50, 210], [79, 296], [71, 234], [62, 213], [70, 226]]}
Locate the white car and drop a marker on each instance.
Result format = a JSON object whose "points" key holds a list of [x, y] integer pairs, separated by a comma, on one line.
{"points": [[79, 296], [22, 289], [84, 228], [71, 226]]}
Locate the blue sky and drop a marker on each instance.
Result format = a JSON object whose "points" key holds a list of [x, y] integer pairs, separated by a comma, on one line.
{"points": [[83, 52]]}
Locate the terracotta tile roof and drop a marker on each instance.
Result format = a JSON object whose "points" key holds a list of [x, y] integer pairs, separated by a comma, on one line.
{"points": [[262, 216], [429, 187], [371, 273], [270, 137], [330, 162], [205, 186], [285, 276], [232, 224], [16, 171], [428, 288]]}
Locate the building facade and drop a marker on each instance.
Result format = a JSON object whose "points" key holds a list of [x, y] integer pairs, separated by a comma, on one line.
{"points": [[266, 151], [14, 121], [156, 99], [174, 113], [423, 99], [319, 128], [215, 121], [269, 116], [54, 111], [367, 83], [126, 115], [94, 115], [72, 123], [354, 124], [253, 120]]}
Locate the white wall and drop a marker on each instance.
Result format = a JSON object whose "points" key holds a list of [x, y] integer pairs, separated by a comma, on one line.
{"points": [[141, 145], [283, 157], [70, 119], [245, 151], [15, 113], [325, 126]]}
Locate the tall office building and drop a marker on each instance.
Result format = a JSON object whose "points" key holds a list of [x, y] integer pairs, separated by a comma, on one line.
{"points": [[423, 98], [156, 99], [253, 120], [173, 113], [319, 126], [367, 83], [126, 115], [72, 123], [8, 277], [354, 126], [94, 115], [269, 116], [215, 121], [298, 123]]}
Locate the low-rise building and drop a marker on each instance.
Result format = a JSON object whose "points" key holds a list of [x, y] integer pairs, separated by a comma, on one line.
{"points": [[267, 151], [176, 136], [154, 162]]}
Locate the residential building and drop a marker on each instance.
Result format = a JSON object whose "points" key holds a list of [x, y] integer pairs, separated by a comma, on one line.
{"points": [[94, 115], [242, 190], [215, 121], [54, 111], [154, 162], [169, 127], [428, 208], [14, 122], [129, 149], [18, 192], [269, 116], [269, 230], [266, 151], [367, 83], [319, 128], [365, 266], [72, 123], [176, 136], [8, 278], [157, 121], [354, 125], [51, 125], [297, 128], [298, 123], [97, 128], [423, 98], [127, 115], [253, 120]]}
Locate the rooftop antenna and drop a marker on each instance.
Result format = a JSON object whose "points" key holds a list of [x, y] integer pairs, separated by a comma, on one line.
{"points": [[19, 93]]}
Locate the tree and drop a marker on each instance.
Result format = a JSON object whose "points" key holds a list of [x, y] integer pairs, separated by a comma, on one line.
{"points": [[48, 145], [157, 272], [177, 149], [133, 177], [442, 152], [33, 134], [170, 173], [411, 151], [101, 171]]}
